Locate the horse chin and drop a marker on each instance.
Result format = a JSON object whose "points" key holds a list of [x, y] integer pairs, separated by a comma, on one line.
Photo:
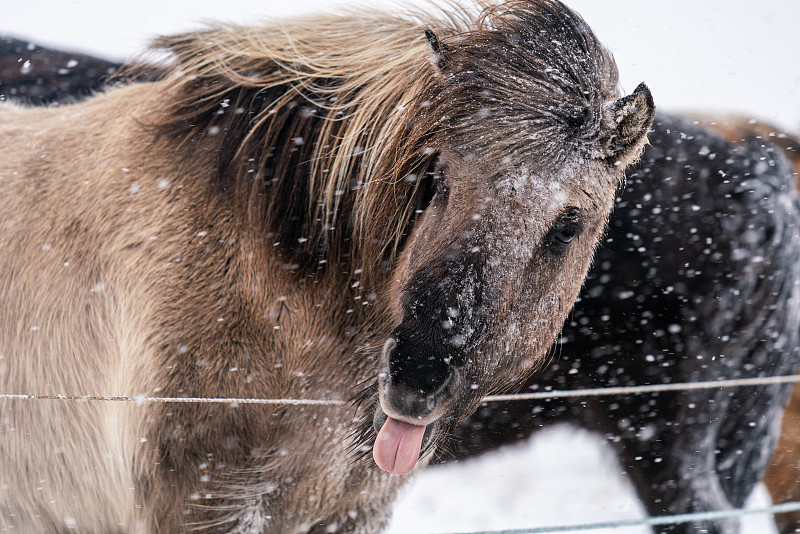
{"points": [[407, 423], [400, 446]]}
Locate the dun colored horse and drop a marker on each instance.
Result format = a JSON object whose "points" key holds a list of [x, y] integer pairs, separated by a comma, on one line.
{"points": [[618, 317], [392, 210]]}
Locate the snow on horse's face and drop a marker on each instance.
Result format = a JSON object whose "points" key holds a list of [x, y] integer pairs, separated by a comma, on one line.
{"points": [[530, 158]]}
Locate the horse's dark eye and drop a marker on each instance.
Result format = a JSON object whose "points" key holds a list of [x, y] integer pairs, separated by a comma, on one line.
{"points": [[565, 236], [441, 188], [564, 231]]}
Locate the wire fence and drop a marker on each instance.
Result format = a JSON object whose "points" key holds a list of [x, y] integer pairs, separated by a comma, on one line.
{"points": [[652, 521], [538, 395]]}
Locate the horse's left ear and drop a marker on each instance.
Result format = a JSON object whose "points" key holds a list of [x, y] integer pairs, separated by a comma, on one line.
{"points": [[438, 50], [625, 123]]}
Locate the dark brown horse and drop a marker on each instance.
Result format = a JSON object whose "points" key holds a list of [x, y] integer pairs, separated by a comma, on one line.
{"points": [[32, 74], [392, 210], [783, 475]]}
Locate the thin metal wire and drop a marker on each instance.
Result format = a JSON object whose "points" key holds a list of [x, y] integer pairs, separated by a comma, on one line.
{"points": [[537, 395], [589, 392], [652, 521], [650, 388], [143, 399]]}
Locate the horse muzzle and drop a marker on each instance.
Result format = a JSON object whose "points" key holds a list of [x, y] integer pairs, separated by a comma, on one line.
{"points": [[412, 396], [410, 406]]}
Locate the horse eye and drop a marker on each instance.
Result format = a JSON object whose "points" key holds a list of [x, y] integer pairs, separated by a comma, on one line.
{"points": [[565, 236], [441, 187], [564, 230]]}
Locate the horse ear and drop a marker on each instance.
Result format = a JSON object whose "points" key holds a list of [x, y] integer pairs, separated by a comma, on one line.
{"points": [[438, 50], [625, 123]]}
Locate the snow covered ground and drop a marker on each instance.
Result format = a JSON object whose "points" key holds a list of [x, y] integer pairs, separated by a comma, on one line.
{"points": [[716, 55], [563, 476]]}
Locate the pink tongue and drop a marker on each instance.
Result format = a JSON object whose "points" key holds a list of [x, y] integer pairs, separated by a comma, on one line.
{"points": [[397, 446]]}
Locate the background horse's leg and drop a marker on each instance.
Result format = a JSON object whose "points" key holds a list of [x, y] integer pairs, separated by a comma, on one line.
{"points": [[696, 456], [675, 473], [783, 476]]}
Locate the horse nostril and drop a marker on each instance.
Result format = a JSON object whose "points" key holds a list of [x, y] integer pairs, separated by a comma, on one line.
{"points": [[444, 389], [431, 401]]}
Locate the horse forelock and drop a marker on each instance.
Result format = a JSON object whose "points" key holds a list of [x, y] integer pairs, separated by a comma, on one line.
{"points": [[535, 72], [318, 122]]}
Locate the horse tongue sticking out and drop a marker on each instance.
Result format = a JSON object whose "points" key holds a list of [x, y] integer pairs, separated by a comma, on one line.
{"points": [[397, 446]]}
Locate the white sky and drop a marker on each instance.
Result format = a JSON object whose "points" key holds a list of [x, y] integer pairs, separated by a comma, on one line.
{"points": [[709, 55]]}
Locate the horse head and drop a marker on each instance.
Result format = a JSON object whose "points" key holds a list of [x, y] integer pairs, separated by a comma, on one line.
{"points": [[532, 140]]}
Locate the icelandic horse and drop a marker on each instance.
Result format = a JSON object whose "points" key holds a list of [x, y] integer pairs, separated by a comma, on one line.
{"points": [[393, 211]]}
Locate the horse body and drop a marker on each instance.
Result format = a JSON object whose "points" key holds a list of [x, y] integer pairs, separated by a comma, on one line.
{"points": [[73, 308], [162, 295], [146, 274], [403, 224]]}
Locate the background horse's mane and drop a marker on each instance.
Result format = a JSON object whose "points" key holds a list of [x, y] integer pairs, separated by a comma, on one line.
{"points": [[328, 119]]}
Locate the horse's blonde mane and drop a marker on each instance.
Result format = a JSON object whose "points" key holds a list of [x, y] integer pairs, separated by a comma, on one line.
{"points": [[357, 74], [350, 90]]}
